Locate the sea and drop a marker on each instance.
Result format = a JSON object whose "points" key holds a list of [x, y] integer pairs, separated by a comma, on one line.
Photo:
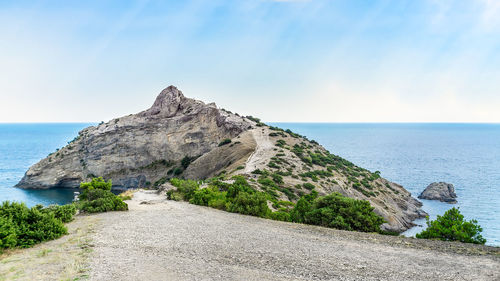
{"points": [[411, 154]]}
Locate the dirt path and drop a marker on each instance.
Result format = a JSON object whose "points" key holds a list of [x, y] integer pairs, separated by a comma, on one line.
{"points": [[262, 153], [168, 240]]}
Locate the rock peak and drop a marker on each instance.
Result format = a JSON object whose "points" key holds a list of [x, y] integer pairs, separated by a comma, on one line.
{"points": [[167, 102]]}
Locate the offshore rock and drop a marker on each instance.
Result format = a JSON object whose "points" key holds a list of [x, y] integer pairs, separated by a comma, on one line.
{"points": [[444, 192]]}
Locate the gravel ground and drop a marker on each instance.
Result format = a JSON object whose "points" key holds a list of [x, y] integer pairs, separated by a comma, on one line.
{"points": [[167, 240], [61, 259]]}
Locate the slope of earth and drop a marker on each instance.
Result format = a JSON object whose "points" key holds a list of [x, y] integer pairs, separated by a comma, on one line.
{"points": [[168, 240]]}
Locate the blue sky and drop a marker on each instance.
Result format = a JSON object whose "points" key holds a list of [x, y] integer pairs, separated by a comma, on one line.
{"points": [[307, 61]]}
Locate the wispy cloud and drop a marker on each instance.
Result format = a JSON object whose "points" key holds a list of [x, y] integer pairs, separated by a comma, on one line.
{"points": [[307, 61]]}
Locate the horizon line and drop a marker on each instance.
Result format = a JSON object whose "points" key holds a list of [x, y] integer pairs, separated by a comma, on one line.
{"points": [[280, 122]]}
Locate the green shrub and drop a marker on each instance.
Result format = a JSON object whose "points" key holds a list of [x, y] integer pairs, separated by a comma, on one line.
{"points": [[288, 192], [280, 143], [186, 161], [254, 119], [185, 189], [254, 204], [96, 183], [337, 211], [21, 226], [280, 216], [257, 172], [267, 182], [308, 186], [239, 187], [97, 197], [177, 171], [65, 212], [278, 179], [298, 213], [103, 201], [224, 142], [273, 165], [218, 202], [205, 196], [452, 227], [8, 237]]}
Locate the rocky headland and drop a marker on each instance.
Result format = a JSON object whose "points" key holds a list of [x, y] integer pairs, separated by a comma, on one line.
{"points": [[183, 137], [444, 192]]}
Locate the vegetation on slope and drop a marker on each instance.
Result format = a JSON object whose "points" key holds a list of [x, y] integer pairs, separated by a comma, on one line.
{"points": [[322, 167], [333, 210]]}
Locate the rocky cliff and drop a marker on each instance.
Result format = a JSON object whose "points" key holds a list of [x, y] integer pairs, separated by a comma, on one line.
{"points": [[137, 150], [182, 137]]}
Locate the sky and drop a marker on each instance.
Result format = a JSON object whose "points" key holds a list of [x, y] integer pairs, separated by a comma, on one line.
{"points": [[283, 61]]}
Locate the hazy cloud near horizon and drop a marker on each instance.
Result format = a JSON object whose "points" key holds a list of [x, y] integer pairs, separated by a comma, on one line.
{"points": [[307, 61]]}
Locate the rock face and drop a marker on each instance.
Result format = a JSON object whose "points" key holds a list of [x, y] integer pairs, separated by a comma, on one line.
{"points": [[137, 150], [444, 192], [182, 137]]}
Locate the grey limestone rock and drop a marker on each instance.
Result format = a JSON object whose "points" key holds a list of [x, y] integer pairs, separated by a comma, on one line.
{"points": [[444, 192]]}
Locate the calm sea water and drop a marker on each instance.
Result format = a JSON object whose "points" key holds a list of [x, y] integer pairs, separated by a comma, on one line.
{"points": [[414, 155], [22, 145]]}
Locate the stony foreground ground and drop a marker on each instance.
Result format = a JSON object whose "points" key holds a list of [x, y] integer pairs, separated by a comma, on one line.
{"points": [[167, 240]]}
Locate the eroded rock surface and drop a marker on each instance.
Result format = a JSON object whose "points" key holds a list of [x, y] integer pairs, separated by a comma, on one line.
{"points": [[444, 192]]}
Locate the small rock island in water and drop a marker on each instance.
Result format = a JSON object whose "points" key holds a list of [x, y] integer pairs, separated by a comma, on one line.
{"points": [[442, 191]]}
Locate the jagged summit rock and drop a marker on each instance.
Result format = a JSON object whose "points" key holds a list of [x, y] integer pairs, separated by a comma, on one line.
{"points": [[183, 137], [442, 191], [171, 102]]}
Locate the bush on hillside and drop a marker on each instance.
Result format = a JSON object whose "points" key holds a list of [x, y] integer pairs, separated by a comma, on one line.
{"points": [[185, 189], [452, 227], [205, 196], [298, 213], [254, 204], [334, 210], [97, 197], [337, 211], [224, 142], [238, 197], [308, 186]]}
